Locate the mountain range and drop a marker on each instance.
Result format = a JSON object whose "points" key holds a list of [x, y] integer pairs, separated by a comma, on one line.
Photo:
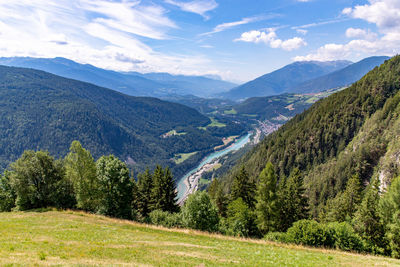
{"points": [[39, 110], [305, 77], [130, 83]]}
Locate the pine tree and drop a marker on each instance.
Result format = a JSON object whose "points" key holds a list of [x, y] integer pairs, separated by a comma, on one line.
{"points": [[244, 188], [145, 187], [367, 220], [170, 192], [293, 202], [267, 200], [218, 197], [390, 212], [346, 203], [163, 194], [156, 196]]}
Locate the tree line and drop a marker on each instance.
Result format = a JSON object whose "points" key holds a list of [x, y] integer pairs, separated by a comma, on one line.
{"points": [[357, 220]]}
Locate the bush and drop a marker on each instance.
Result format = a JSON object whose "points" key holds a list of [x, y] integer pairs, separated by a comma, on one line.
{"points": [[7, 194], [200, 213], [345, 237], [277, 237], [310, 233], [166, 219], [241, 220]]}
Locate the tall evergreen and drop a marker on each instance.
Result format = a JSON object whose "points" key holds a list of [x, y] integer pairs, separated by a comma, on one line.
{"points": [[293, 202], [217, 195], [368, 221], [267, 200], [145, 187], [244, 188], [390, 212], [345, 204], [170, 192], [163, 194]]}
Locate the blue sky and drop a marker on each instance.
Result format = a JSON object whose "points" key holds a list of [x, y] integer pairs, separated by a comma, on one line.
{"points": [[236, 39]]}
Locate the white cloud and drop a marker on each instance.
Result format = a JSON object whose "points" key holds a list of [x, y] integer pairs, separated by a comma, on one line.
{"points": [[103, 33], [302, 31], [200, 7], [355, 33], [270, 38], [385, 14]]}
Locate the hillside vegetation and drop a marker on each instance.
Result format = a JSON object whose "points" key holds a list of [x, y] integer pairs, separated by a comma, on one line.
{"points": [[352, 132], [39, 110], [75, 238]]}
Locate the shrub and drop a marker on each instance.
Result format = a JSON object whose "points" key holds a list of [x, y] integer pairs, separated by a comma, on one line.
{"points": [[278, 237], [200, 213], [311, 233], [166, 219], [345, 238]]}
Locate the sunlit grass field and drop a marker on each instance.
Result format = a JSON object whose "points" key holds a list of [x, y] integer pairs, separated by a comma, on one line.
{"points": [[75, 238]]}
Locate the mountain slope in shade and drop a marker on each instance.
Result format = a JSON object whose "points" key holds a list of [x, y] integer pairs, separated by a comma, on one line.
{"points": [[339, 78], [281, 80], [39, 110], [135, 84]]}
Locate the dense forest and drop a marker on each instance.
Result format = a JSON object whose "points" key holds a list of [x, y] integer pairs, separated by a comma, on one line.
{"points": [[39, 110]]}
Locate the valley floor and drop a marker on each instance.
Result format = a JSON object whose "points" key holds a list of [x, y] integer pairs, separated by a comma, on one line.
{"points": [[75, 238]]}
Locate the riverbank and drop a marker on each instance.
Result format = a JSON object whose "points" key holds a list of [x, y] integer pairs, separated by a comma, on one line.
{"points": [[189, 183]]}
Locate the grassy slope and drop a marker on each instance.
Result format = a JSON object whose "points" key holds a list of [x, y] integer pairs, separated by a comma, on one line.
{"points": [[73, 238]]}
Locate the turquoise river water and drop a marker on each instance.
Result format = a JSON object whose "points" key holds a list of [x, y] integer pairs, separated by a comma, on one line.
{"points": [[182, 188]]}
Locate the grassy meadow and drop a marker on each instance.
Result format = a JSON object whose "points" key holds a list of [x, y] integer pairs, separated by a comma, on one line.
{"points": [[75, 238]]}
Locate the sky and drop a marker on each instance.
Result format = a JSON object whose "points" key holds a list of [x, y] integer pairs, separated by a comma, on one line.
{"points": [[238, 40]]}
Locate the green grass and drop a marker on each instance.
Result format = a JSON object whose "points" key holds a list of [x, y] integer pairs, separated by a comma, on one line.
{"points": [[79, 239], [230, 112], [214, 123], [179, 158]]}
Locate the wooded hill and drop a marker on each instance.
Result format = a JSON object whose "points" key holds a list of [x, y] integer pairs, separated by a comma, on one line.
{"points": [[39, 110], [354, 131]]}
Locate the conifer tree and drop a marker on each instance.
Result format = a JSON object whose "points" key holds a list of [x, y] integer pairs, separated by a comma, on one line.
{"points": [[293, 202], [367, 220], [217, 195], [267, 200], [244, 188], [163, 194], [145, 187]]}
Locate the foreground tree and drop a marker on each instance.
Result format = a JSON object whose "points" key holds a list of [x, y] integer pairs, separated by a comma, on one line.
{"points": [[200, 213], [367, 220], [218, 197], [267, 200], [39, 181], [7, 193], [243, 188], [145, 186], [81, 170], [293, 202], [390, 212], [115, 188], [163, 194], [241, 219]]}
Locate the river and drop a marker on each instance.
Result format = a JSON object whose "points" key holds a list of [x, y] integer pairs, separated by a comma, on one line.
{"points": [[182, 187]]}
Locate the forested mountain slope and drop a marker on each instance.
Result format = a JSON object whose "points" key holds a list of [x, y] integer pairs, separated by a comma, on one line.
{"points": [[354, 131], [39, 110]]}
